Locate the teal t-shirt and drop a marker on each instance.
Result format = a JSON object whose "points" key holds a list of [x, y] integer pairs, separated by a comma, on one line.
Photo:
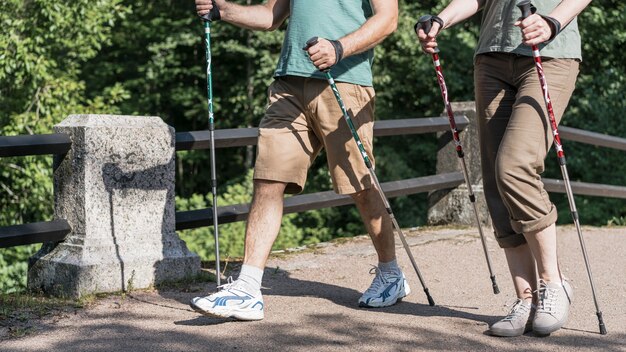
{"points": [[330, 19], [498, 34]]}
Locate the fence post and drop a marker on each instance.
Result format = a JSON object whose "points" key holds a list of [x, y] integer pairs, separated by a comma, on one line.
{"points": [[452, 206], [115, 187]]}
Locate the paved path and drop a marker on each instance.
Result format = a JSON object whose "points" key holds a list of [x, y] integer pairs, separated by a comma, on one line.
{"points": [[311, 305]]}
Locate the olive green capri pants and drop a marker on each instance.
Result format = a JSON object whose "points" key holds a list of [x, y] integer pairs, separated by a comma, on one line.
{"points": [[515, 137]]}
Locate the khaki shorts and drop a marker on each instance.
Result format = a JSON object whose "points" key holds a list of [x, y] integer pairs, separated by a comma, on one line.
{"points": [[303, 117], [515, 138]]}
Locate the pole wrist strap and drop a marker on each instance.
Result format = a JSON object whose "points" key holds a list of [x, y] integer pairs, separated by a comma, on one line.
{"points": [[555, 25], [338, 50]]}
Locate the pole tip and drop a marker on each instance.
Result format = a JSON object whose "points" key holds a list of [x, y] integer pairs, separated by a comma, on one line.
{"points": [[431, 302], [494, 285], [601, 323]]}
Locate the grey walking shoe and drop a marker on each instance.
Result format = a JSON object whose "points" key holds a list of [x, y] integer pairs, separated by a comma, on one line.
{"points": [[555, 299], [516, 323]]}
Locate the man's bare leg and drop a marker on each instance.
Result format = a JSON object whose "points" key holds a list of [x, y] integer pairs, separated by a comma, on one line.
{"points": [[377, 222], [389, 284], [264, 221]]}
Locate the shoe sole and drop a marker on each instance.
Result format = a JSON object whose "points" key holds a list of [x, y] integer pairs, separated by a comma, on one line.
{"points": [[510, 332], [550, 329], [237, 316], [384, 304], [407, 290]]}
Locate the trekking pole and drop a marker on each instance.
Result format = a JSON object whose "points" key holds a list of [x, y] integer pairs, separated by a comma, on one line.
{"points": [[368, 163], [526, 11], [426, 23], [207, 35]]}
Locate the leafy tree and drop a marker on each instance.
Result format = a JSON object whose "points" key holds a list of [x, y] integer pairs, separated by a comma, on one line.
{"points": [[43, 45]]}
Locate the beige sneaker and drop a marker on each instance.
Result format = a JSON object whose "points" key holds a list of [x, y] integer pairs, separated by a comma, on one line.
{"points": [[555, 299], [516, 323]]}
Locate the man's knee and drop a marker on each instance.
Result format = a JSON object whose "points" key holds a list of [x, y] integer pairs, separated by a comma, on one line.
{"points": [[268, 187]]}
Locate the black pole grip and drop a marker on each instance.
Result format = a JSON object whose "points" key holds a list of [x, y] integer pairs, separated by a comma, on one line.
{"points": [[425, 22], [213, 15], [310, 43], [525, 7]]}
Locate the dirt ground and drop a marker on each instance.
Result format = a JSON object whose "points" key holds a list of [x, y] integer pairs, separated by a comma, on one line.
{"points": [[311, 304]]}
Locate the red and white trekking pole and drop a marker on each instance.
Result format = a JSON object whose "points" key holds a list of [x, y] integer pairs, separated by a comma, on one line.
{"points": [[525, 6], [425, 22]]}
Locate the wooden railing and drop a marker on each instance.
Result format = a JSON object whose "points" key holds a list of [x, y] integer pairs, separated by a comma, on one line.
{"points": [[59, 144]]}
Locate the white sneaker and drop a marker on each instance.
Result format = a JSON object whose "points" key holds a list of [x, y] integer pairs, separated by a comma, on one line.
{"points": [[232, 301], [516, 323], [553, 308], [386, 289]]}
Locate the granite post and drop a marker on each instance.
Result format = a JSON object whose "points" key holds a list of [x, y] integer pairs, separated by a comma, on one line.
{"points": [[452, 206], [115, 187]]}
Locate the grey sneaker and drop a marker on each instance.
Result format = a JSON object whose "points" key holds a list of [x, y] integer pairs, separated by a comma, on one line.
{"points": [[553, 309], [516, 323], [387, 288]]}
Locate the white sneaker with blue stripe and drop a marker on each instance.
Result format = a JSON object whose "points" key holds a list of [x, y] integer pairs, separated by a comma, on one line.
{"points": [[386, 289], [232, 301]]}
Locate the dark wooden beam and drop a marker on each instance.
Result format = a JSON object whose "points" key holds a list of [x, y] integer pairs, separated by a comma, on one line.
{"points": [[37, 144], [593, 138], [232, 213], [240, 137], [587, 189], [37, 232]]}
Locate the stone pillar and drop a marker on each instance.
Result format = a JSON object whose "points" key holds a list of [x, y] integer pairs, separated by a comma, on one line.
{"points": [[115, 187], [452, 206]]}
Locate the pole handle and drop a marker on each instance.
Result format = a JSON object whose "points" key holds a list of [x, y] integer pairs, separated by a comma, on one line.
{"points": [[309, 43], [213, 15], [425, 22], [525, 7]]}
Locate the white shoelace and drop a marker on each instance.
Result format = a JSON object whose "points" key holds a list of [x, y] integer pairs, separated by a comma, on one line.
{"points": [[548, 297], [517, 310], [379, 280], [228, 285]]}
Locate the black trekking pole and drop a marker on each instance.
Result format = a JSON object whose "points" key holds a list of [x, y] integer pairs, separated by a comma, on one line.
{"points": [[207, 35], [426, 23], [525, 6], [369, 165]]}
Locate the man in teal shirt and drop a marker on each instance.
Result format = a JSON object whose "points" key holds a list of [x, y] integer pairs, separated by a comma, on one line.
{"points": [[303, 117]]}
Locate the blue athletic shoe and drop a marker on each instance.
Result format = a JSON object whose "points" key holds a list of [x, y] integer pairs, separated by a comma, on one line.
{"points": [[386, 289], [232, 301]]}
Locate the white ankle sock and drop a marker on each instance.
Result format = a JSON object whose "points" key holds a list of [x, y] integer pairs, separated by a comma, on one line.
{"points": [[391, 266], [251, 276]]}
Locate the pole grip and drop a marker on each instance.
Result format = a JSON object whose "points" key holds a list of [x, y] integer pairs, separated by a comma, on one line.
{"points": [[525, 7], [425, 22], [213, 15], [309, 43]]}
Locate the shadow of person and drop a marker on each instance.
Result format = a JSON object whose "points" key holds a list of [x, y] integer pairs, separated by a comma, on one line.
{"points": [[278, 282], [167, 253]]}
